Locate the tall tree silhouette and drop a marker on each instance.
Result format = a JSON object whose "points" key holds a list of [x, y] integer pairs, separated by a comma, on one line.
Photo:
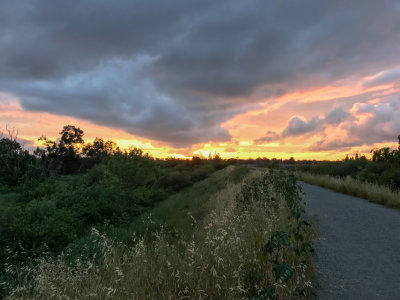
{"points": [[71, 135], [64, 157]]}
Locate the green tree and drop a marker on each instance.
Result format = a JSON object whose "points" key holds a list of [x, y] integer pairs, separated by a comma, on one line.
{"points": [[64, 157], [71, 135], [99, 148], [16, 164]]}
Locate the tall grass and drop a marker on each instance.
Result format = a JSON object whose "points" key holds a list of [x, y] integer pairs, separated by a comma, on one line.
{"points": [[232, 253], [370, 191]]}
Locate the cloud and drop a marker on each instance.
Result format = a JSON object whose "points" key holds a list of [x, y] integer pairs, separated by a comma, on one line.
{"points": [[385, 77], [336, 116], [298, 125], [381, 124], [230, 150], [107, 94], [328, 145], [369, 124], [174, 71], [270, 136]]}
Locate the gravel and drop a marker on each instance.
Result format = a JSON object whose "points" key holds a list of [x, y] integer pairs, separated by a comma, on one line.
{"points": [[358, 251]]}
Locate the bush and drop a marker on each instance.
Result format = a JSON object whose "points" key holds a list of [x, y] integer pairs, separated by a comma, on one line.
{"points": [[17, 165], [175, 180], [202, 172], [56, 212], [231, 254]]}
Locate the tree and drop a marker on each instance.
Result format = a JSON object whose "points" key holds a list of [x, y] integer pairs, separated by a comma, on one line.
{"points": [[69, 151], [398, 137], [100, 149], [64, 157], [16, 164], [71, 135]]}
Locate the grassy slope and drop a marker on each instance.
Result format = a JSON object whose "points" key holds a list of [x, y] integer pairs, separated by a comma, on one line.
{"points": [[177, 211], [7, 198], [217, 259], [369, 191]]}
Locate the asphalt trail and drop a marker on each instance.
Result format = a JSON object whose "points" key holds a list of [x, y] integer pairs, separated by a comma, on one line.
{"points": [[358, 252]]}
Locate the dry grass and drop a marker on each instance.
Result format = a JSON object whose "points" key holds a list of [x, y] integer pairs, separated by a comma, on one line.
{"points": [[216, 262], [369, 191]]}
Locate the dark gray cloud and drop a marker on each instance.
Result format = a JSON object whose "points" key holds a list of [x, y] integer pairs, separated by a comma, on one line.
{"points": [[299, 126], [336, 116], [173, 71], [269, 137], [384, 78]]}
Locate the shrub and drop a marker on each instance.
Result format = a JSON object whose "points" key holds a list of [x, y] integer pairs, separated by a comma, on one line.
{"points": [[17, 165], [202, 172], [232, 254], [175, 180]]}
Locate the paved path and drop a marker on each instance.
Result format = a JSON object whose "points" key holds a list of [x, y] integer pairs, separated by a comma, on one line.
{"points": [[358, 252]]}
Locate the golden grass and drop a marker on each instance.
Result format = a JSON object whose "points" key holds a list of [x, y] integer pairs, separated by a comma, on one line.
{"points": [[213, 263], [370, 191]]}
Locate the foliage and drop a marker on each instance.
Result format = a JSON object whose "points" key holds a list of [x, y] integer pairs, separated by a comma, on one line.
{"points": [[63, 157], [222, 258], [50, 214], [383, 168], [99, 149], [51, 200], [16, 164], [202, 172], [371, 191], [285, 248]]}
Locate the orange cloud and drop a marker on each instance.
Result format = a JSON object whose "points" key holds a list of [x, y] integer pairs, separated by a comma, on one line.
{"points": [[271, 115], [31, 125]]}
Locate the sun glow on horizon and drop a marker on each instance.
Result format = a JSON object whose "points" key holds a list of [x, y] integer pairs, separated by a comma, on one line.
{"points": [[246, 128]]}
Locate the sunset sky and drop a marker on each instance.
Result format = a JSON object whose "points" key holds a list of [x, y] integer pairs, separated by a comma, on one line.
{"points": [[269, 78]]}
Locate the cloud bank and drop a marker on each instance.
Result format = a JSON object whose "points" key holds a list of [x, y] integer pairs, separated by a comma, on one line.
{"points": [[174, 71]]}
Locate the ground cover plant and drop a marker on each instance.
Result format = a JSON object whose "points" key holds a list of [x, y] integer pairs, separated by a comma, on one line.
{"points": [[251, 241]]}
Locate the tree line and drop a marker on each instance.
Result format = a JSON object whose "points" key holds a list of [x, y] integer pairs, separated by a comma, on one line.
{"points": [[71, 155], [382, 168]]}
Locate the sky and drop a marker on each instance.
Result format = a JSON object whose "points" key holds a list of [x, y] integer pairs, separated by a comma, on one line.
{"points": [[268, 78]]}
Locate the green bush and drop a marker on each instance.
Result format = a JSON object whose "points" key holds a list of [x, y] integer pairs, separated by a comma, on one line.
{"points": [[57, 212], [175, 180], [202, 172], [230, 253], [17, 165]]}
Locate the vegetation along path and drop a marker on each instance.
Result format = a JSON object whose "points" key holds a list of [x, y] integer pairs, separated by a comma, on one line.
{"points": [[357, 254]]}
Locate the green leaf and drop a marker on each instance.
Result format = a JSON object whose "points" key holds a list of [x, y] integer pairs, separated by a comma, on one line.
{"points": [[283, 271], [268, 290], [307, 247]]}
